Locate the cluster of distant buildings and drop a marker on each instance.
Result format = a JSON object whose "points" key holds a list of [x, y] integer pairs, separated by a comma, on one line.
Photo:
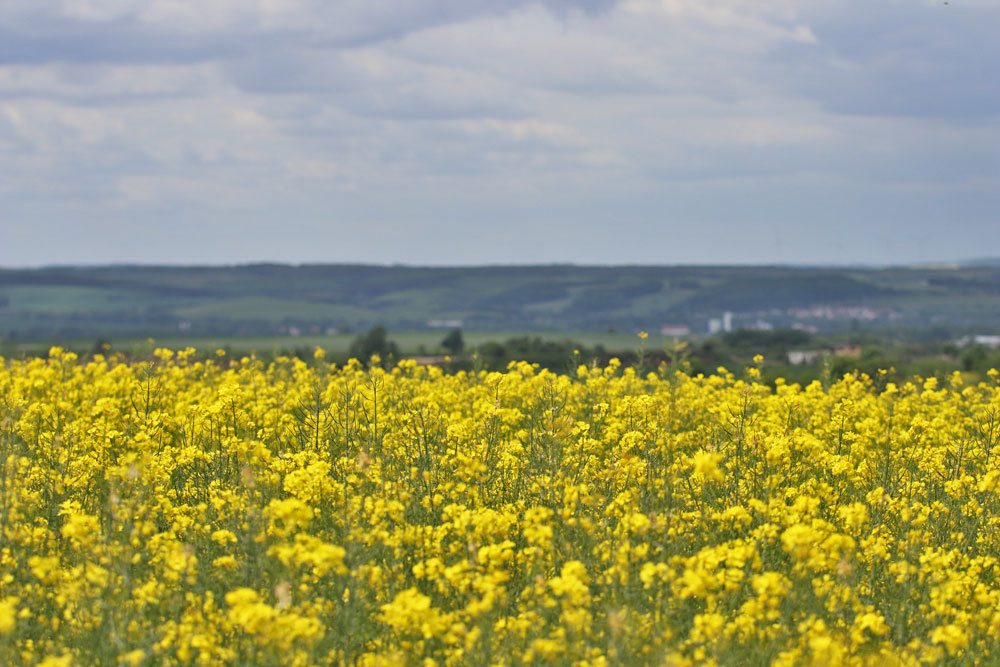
{"points": [[724, 324], [864, 313], [716, 325], [802, 357], [985, 341], [721, 324], [802, 319], [445, 324], [312, 330]]}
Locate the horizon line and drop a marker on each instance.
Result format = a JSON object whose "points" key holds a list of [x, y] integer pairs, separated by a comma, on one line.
{"points": [[943, 264]]}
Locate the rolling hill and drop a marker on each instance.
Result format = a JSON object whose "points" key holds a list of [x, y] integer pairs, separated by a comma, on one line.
{"points": [[271, 299]]}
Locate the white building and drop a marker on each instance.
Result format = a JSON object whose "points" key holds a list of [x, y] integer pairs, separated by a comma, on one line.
{"points": [[799, 357]]}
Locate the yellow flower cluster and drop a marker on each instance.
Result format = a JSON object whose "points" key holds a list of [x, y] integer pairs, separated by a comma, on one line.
{"points": [[223, 512]]}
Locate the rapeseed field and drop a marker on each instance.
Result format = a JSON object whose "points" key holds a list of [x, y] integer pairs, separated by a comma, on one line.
{"points": [[228, 512]]}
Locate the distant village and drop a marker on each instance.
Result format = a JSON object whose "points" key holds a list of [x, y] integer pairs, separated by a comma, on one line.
{"points": [[811, 320], [805, 319]]}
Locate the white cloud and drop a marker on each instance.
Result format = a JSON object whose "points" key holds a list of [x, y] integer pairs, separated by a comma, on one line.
{"points": [[434, 113]]}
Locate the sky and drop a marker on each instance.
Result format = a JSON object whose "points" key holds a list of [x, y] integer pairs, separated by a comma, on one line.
{"points": [[462, 132]]}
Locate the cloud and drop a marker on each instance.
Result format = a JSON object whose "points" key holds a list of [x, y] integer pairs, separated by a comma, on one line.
{"points": [[899, 59], [500, 121], [158, 31]]}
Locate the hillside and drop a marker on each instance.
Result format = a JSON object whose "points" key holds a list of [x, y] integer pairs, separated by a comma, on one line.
{"points": [[271, 299]]}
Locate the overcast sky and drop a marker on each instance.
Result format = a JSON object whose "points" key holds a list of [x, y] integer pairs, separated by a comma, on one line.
{"points": [[499, 131]]}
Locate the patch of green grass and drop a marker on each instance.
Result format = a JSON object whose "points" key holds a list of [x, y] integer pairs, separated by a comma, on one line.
{"points": [[58, 299], [270, 308], [410, 342]]}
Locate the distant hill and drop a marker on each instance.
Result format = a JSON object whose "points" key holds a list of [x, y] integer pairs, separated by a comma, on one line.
{"points": [[270, 299], [982, 262]]}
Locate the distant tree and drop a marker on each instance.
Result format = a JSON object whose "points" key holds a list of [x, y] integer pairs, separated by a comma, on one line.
{"points": [[375, 341], [974, 358], [453, 342]]}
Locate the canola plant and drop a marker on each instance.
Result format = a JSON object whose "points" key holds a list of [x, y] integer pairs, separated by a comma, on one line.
{"points": [[226, 512]]}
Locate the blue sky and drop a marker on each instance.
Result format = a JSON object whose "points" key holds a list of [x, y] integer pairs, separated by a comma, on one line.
{"points": [[499, 131]]}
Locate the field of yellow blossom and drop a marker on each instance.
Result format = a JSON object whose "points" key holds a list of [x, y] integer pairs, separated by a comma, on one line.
{"points": [[213, 512]]}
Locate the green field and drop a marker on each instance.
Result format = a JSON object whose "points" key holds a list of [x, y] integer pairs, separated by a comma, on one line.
{"points": [[411, 343]]}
